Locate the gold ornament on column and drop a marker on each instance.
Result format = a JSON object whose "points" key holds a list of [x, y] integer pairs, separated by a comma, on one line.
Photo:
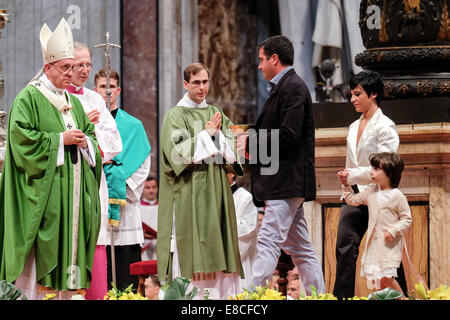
{"points": [[4, 19]]}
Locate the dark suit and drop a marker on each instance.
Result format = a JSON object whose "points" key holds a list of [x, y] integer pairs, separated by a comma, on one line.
{"points": [[289, 109], [288, 114]]}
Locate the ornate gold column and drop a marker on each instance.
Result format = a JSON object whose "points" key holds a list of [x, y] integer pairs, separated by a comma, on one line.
{"points": [[4, 19], [408, 42]]}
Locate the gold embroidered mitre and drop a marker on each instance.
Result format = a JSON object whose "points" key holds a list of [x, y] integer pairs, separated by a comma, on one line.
{"points": [[56, 45]]}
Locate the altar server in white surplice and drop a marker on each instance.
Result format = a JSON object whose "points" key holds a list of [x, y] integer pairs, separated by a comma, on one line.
{"points": [[126, 177], [110, 145], [247, 226]]}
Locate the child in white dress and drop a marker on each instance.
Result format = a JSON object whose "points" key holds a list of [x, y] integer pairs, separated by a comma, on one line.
{"points": [[389, 218]]}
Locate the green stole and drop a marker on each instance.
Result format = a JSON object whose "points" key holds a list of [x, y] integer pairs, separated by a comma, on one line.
{"points": [[135, 149]]}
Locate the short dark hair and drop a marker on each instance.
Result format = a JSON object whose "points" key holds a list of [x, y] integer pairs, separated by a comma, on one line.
{"points": [[154, 280], [391, 163], [150, 178], [193, 69], [370, 81], [281, 46], [102, 74]]}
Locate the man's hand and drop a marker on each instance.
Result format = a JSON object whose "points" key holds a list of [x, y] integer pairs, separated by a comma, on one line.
{"points": [[93, 116], [343, 175], [241, 142], [75, 137], [213, 125]]}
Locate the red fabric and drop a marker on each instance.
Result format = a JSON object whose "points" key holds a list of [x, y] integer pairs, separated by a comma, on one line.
{"points": [[99, 284], [74, 90], [149, 230], [143, 268], [146, 203], [101, 152]]}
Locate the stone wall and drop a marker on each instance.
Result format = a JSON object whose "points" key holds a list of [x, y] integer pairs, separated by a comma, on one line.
{"points": [[21, 50], [139, 68]]}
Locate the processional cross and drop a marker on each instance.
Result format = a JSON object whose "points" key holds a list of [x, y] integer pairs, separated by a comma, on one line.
{"points": [[107, 51], [107, 46]]}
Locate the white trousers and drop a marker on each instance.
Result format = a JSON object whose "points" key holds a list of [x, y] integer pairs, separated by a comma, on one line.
{"points": [[221, 287], [284, 227], [27, 283]]}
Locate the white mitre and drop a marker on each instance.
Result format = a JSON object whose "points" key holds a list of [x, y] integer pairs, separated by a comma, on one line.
{"points": [[56, 45]]}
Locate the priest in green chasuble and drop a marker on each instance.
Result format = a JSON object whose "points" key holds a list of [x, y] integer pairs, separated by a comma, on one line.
{"points": [[49, 200], [197, 232]]}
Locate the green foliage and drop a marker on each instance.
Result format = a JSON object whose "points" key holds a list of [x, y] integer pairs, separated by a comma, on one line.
{"points": [[127, 294], [9, 291], [385, 294], [317, 296], [177, 290]]}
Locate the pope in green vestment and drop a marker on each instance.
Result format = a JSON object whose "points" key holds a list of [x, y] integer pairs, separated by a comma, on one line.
{"points": [[36, 195], [199, 196]]}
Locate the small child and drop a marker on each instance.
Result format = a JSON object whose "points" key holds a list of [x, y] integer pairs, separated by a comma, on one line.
{"points": [[389, 218]]}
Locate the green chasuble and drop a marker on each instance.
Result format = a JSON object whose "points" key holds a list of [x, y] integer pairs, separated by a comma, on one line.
{"points": [[36, 196], [200, 196]]}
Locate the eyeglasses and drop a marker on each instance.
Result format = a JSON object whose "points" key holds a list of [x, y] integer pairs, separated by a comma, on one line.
{"points": [[81, 66], [67, 68], [63, 69], [199, 82]]}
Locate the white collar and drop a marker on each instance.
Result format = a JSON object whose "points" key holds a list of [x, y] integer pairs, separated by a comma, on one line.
{"points": [[189, 103], [375, 115], [150, 202], [59, 98], [46, 81], [77, 88]]}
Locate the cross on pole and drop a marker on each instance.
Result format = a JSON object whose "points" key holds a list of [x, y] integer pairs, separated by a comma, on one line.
{"points": [[107, 46]]}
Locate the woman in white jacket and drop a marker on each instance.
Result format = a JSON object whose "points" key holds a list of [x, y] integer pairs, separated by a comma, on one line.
{"points": [[373, 132]]}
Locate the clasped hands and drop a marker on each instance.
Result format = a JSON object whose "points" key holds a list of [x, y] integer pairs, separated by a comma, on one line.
{"points": [[75, 137], [213, 125]]}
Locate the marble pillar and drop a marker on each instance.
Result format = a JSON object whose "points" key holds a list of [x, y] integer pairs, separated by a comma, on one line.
{"points": [[178, 47], [140, 68]]}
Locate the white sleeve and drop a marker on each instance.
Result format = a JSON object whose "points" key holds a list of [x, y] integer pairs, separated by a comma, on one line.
{"points": [[204, 147], [247, 216], [225, 149], [106, 132], [388, 140], [89, 153], [60, 158], [136, 183], [360, 175]]}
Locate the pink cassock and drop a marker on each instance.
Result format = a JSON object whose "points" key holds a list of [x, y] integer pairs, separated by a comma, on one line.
{"points": [[99, 283]]}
